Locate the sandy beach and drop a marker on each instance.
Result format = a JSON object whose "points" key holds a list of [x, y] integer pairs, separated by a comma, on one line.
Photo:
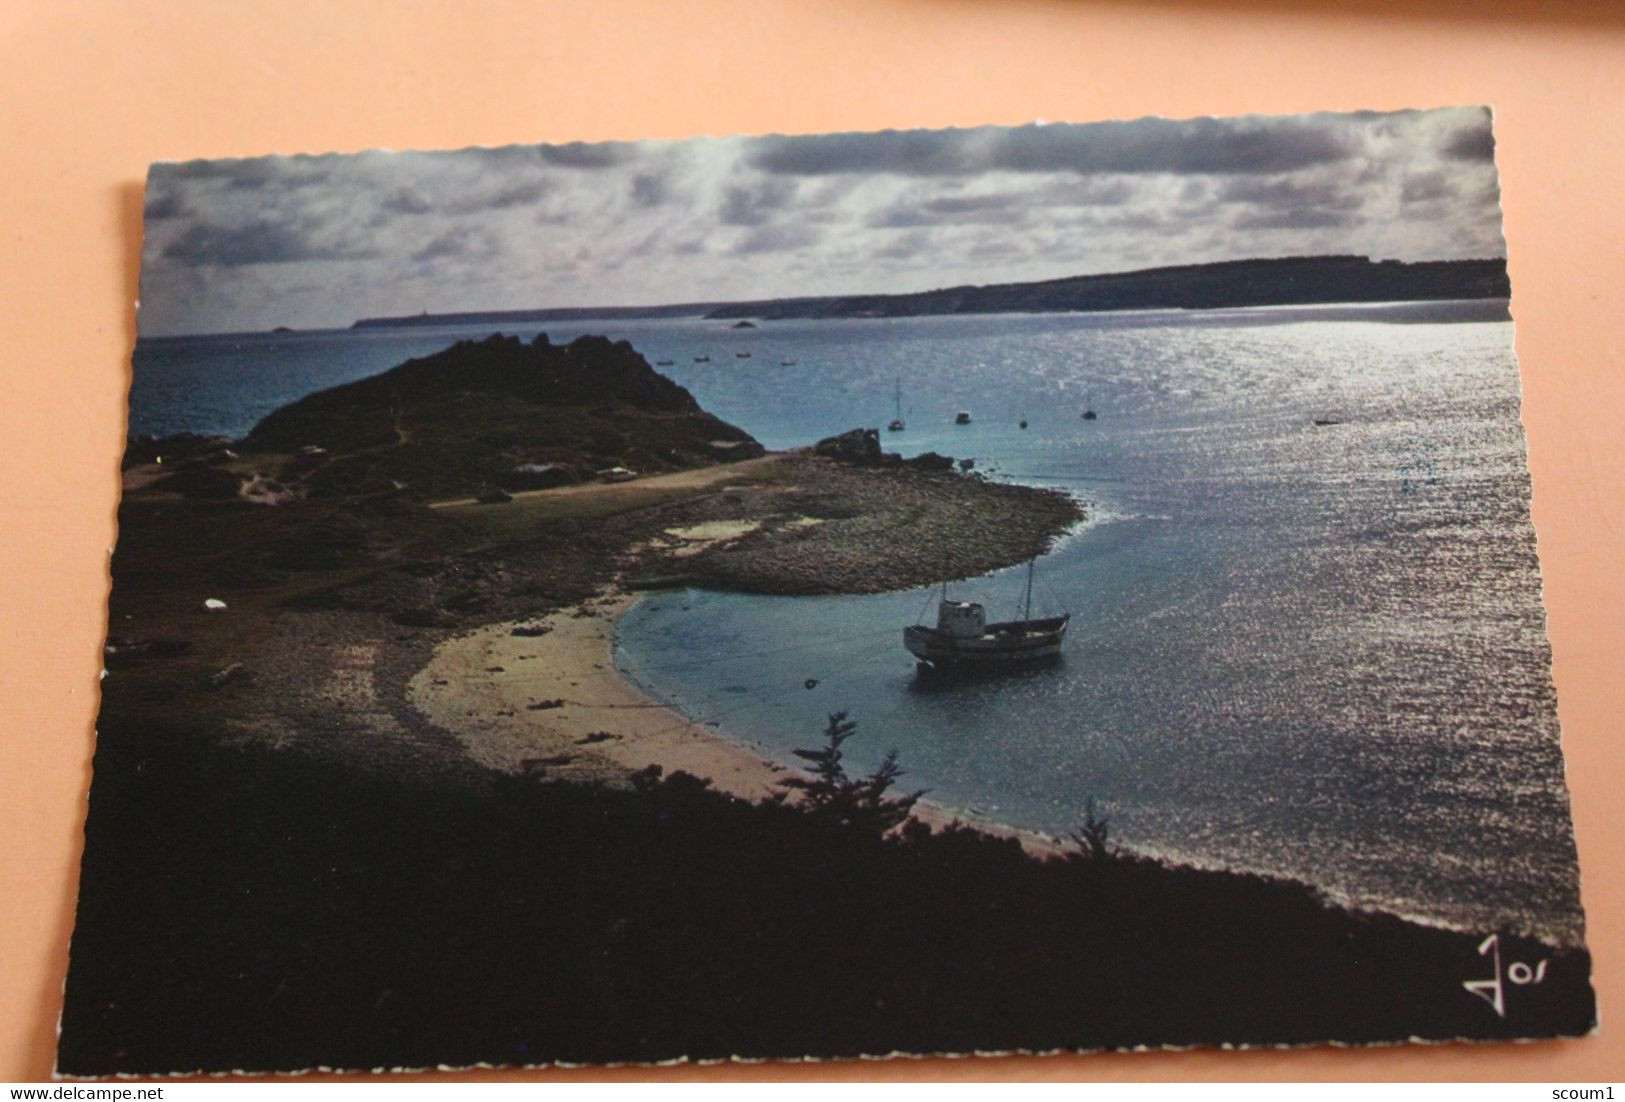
{"points": [[554, 705]]}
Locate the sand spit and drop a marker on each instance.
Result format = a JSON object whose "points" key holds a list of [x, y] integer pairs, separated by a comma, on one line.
{"points": [[554, 705], [550, 702]]}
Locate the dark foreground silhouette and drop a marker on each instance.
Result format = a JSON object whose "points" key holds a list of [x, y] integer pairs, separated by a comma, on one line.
{"points": [[255, 910]]}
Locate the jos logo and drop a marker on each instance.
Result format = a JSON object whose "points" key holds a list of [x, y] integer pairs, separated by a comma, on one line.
{"points": [[1493, 990]]}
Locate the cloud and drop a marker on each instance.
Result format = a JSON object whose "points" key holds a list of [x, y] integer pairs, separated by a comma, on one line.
{"points": [[459, 243], [252, 174], [515, 195], [321, 240], [923, 207], [648, 189], [1289, 193], [747, 205], [1090, 191], [1198, 146], [949, 210], [1425, 186], [777, 238], [586, 155], [257, 242], [906, 246], [1471, 143], [407, 201], [164, 205], [1301, 218]]}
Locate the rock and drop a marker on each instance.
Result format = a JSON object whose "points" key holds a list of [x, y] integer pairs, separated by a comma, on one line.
{"points": [[742, 324], [931, 461], [660, 581], [531, 630], [168, 449], [540, 476], [230, 673], [732, 451], [119, 651], [421, 618], [200, 481], [591, 404], [330, 543], [306, 458], [494, 497], [214, 604], [860, 447]]}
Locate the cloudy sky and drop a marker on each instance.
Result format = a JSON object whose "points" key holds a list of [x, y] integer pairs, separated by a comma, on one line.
{"points": [[236, 245]]}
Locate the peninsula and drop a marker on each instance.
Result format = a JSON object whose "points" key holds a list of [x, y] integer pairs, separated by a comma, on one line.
{"points": [[1283, 281], [496, 481]]}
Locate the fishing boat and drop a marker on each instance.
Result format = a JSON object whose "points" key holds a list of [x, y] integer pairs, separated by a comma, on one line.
{"points": [[702, 359], [962, 417], [963, 641], [897, 421]]}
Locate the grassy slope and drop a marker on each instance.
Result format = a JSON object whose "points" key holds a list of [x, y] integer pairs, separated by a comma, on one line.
{"points": [[246, 909]]}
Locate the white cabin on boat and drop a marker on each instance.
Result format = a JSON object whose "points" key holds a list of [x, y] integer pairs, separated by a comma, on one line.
{"points": [[961, 619]]}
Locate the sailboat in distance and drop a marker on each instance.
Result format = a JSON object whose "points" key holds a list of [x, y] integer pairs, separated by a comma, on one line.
{"points": [[896, 424], [964, 642]]}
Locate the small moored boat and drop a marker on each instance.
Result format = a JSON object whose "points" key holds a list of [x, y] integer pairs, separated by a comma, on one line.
{"points": [[896, 424], [962, 417], [963, 641]]}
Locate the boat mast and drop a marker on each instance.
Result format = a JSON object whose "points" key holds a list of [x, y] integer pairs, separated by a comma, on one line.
{"points": [[899, 397], [1027, 607]]}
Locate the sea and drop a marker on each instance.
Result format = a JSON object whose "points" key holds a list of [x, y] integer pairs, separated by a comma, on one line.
{"points": [[1314, 651]]}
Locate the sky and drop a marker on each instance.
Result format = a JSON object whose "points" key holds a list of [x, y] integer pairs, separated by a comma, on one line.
{"points": [[319, 241]]}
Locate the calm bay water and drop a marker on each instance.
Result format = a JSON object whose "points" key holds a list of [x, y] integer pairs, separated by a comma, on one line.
{"points": [[1310, 651]]}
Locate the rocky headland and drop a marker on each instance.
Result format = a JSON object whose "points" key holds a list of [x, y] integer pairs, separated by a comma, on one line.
{"points": [[352, 532]]}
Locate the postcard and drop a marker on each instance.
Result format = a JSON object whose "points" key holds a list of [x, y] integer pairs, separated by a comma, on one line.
{"points": [[1031, 589]]}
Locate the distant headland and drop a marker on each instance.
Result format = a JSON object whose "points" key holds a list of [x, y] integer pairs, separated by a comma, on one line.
{"points": [[1283, 281]]}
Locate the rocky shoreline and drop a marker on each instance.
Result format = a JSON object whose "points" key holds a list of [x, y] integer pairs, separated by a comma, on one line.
{"points": [[835, 528], [334, 607], [290, 586]]}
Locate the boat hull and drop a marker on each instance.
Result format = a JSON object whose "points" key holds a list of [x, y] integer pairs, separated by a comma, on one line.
{"points": [[1020, 643]]}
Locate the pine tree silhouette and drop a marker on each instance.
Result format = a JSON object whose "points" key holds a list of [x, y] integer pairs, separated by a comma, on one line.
{"points": [[860, 803]]}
